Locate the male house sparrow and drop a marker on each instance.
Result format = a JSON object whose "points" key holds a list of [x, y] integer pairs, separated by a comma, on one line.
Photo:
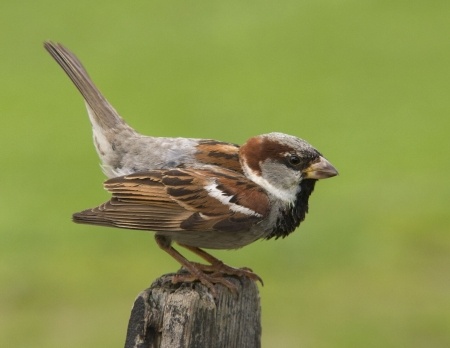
{"points": [[200, 193]]}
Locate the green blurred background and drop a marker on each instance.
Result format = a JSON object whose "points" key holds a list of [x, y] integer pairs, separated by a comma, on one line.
{"points": [[366, 82]]}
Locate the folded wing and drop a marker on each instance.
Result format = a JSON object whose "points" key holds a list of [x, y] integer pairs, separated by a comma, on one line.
{"points": [[181, 199]]}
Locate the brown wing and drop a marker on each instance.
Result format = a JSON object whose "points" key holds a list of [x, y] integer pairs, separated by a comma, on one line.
{"points": [[218, 153], [180, 200]]}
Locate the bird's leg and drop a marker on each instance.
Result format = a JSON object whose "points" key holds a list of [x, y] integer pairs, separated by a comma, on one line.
{"points": [[218, 267], [195, 270]]}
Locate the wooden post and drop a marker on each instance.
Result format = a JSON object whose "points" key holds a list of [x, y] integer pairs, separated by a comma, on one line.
{"points": [[186, 315]]}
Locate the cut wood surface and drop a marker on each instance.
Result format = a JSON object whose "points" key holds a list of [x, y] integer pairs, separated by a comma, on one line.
{"points": [[170, 315]]}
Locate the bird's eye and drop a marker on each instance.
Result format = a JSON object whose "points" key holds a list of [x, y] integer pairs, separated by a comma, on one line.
{"points": [[294, 160]]}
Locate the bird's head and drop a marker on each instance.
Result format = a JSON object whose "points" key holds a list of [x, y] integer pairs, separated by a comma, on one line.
{"points": [[279, 163]]}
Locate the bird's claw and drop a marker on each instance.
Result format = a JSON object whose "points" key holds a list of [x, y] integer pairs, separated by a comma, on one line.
{"points": [[208, 280]]}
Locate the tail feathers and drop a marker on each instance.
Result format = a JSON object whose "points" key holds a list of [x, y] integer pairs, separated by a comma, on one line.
{"points": [[91, 218], [102, 112]]}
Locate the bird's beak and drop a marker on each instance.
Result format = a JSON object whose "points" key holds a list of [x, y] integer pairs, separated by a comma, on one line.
{"points": [[320, 170]]}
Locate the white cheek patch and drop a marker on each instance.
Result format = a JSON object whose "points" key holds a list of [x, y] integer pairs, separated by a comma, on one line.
{"points": [[288, 196], [216, 193]]}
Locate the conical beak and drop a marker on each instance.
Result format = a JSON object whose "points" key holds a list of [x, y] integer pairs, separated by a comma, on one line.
{"points": [[320, 170]]}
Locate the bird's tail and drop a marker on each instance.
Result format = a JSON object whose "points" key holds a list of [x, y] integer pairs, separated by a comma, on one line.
{"points": [[104, 117]]}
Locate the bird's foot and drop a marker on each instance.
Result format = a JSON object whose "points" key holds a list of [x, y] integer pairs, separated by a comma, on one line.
{"points": [[219, 269], [210, 274], [207, 279]]}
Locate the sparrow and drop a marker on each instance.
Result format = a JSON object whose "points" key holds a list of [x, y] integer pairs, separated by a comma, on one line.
{"points": [[198, 193]]}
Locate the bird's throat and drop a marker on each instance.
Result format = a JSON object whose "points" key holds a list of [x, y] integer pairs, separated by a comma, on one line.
{"points": [[291, 216]]}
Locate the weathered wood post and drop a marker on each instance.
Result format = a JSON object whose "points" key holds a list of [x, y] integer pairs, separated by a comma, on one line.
{"points": [[186, 315]]}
